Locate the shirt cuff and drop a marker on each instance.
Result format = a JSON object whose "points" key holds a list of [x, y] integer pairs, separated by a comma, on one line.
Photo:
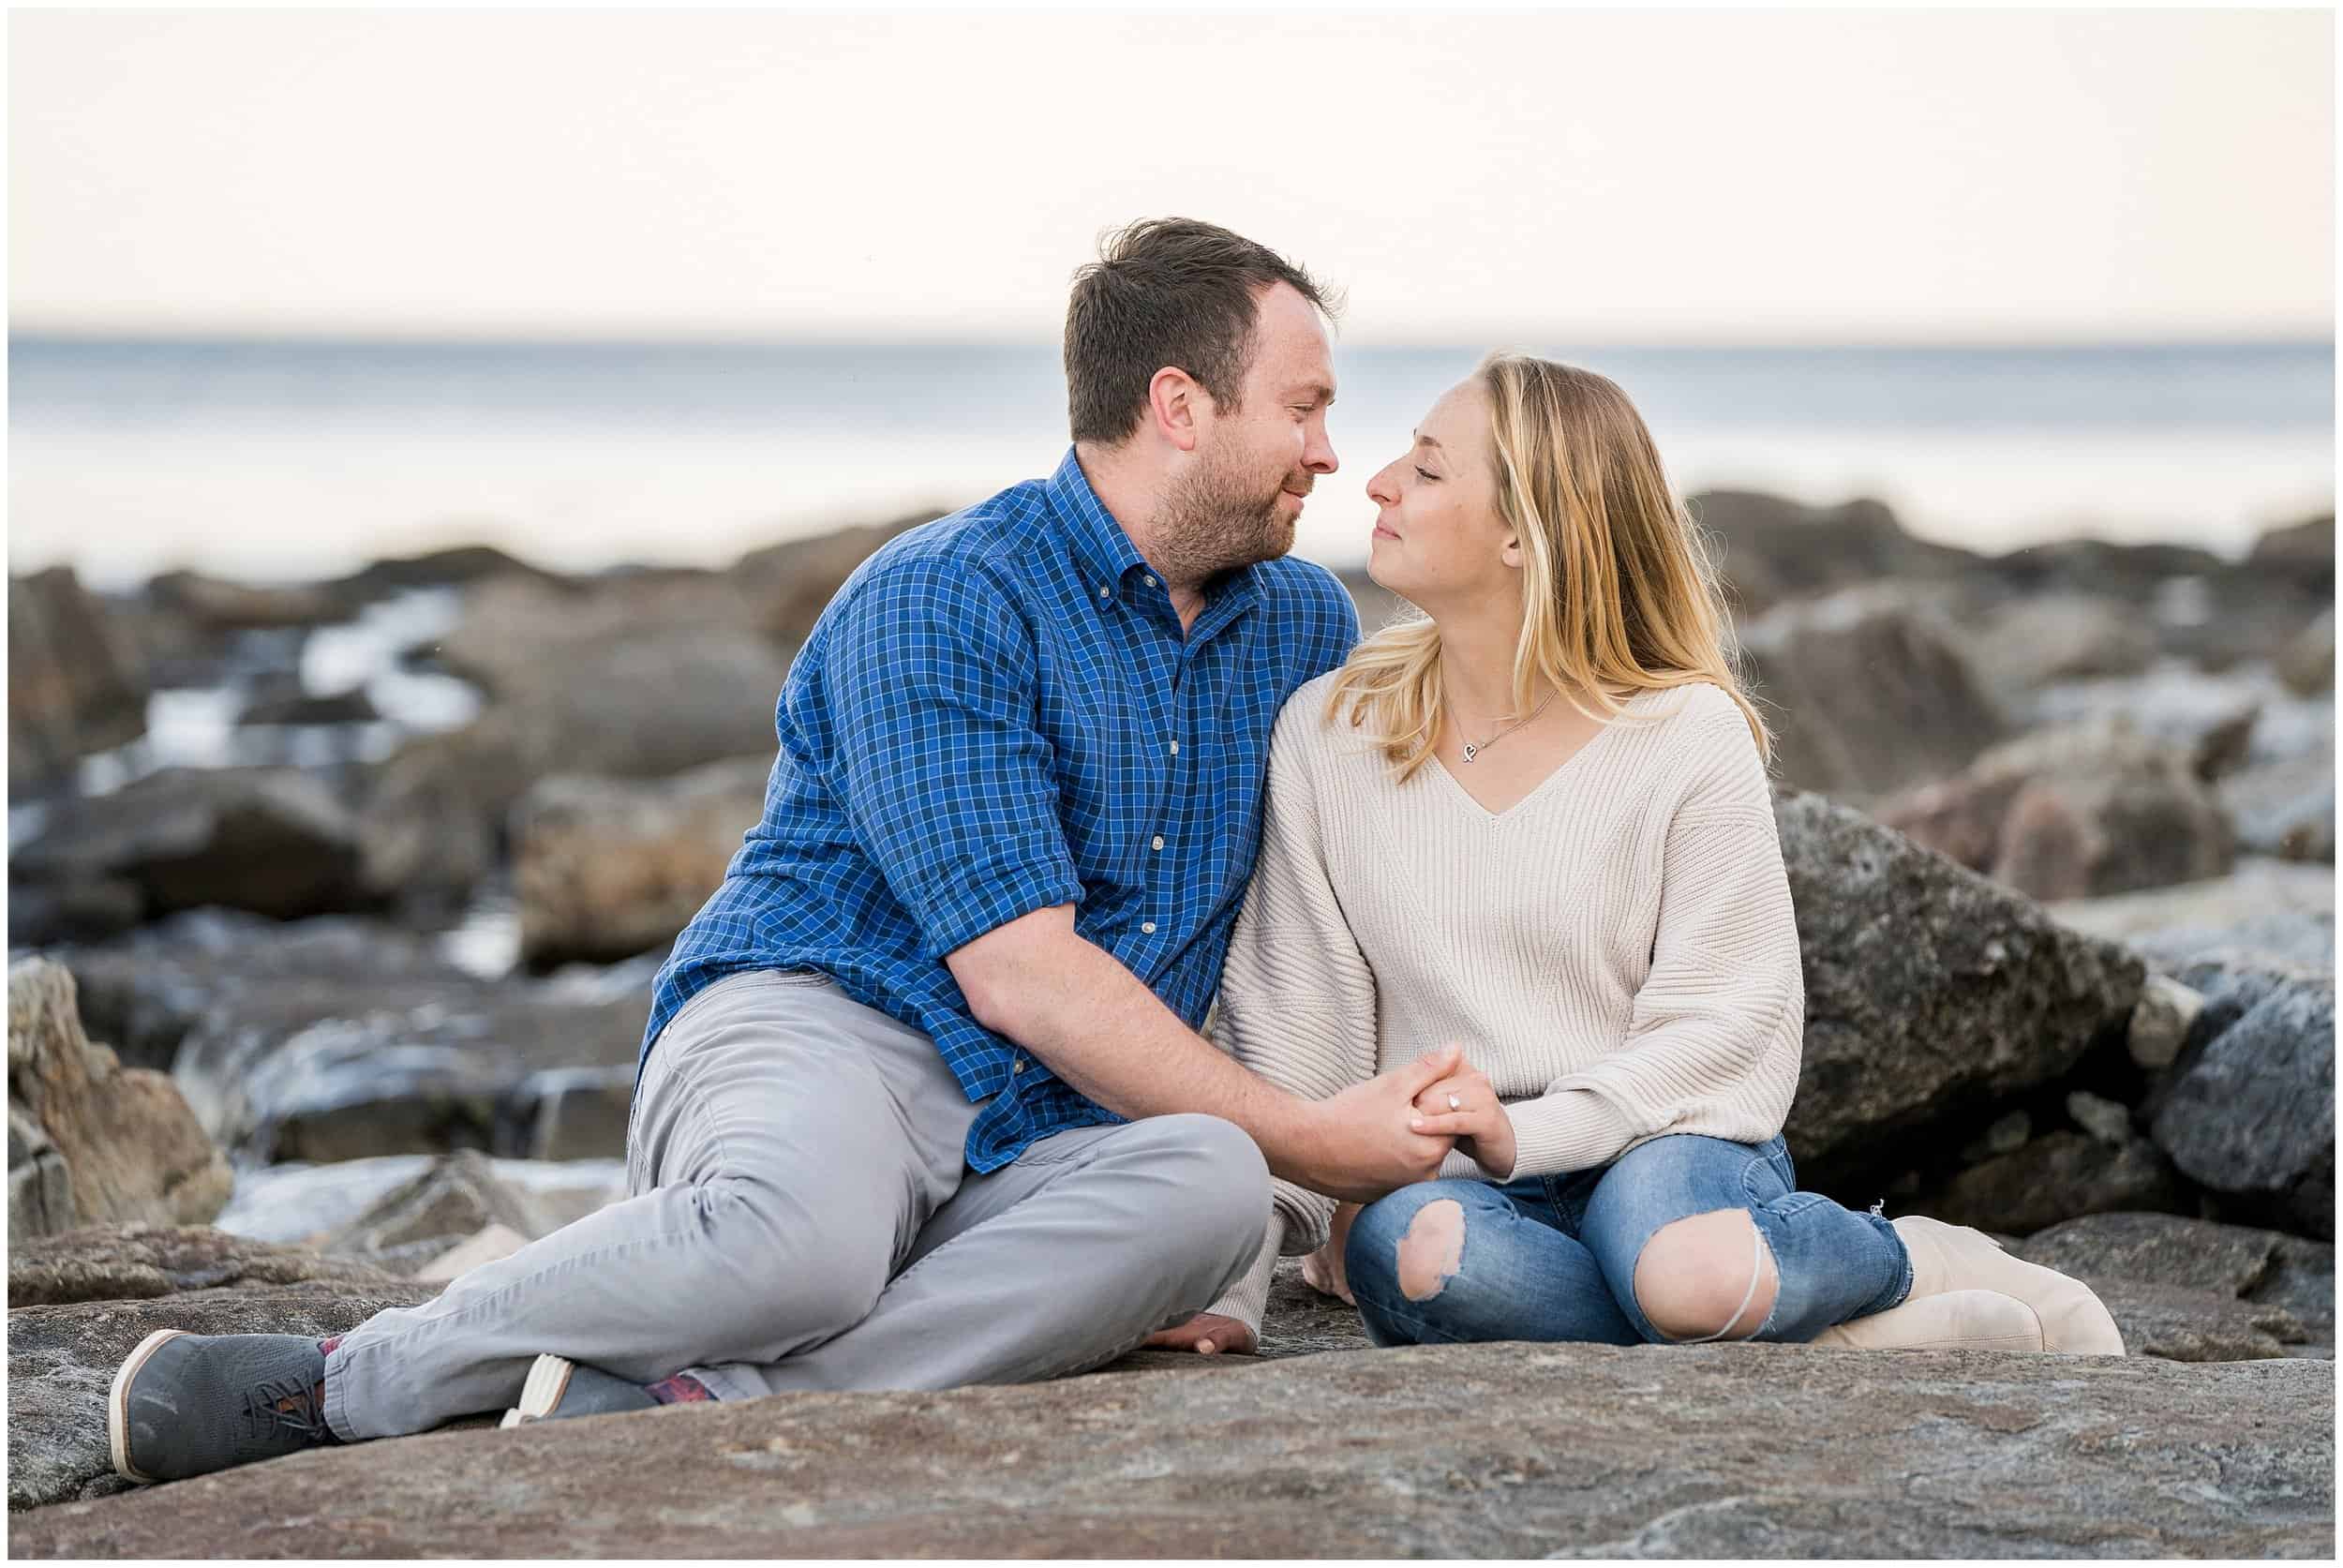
{"points": [[1572, 1130]]}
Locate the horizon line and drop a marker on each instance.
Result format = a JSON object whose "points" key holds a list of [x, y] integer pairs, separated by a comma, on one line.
{"points": [[714, 338]]}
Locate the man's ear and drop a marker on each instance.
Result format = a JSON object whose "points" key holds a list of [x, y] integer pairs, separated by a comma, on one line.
{"points": [[1177, 406]]}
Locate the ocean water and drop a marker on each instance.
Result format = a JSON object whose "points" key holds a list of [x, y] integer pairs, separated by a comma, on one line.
{"points": [[283, 460]]}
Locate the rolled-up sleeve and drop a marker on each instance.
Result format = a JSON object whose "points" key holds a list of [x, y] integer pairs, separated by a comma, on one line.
{"points": [[943, 774]]}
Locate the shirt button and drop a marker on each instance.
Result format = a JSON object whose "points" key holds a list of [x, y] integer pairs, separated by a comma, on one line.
{"points": [[1019, 1068], [1155, 842], [1151, 582], [1148, 927], [1175, 748], [1106, 594]]}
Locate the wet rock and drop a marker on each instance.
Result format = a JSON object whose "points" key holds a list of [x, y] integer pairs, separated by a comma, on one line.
{"points": [[76, 682], [1589, 1451], [2247, 1109], [337, 1040], [1932, 994], [62, 1360], [2031, 642], [129, 1147], [454, 1200], [2237, 718], [2056, 1177], [490, 1244], [568, 1114], [2307, 664], [2285, 809], [432, 825], [1771, 549], [638, 677], [311, 1206], [286, 701], [40, 1186], [274, 841], [219, 604], [2075, 813], [608, 867], [1869, 693], [123, 1263], [2264, 906]]}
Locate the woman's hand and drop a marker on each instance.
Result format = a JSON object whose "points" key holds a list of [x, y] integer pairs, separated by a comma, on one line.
{"points": [[1207, 1333], [1463, 1107]]}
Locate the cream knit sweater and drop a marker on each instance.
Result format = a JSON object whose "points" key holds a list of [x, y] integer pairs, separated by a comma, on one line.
{"points": [[1616, 951]]}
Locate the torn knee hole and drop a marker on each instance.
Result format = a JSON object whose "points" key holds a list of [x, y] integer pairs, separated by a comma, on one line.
{"points": [[1431, 1251]]}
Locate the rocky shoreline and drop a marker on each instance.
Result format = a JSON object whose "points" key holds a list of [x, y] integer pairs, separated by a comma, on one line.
{"points": [[2060, 831]]}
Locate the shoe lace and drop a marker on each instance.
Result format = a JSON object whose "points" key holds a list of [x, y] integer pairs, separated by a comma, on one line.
{"points": [[289, 1403]]}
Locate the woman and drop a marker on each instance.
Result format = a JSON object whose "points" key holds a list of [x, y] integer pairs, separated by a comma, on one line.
{"points": [[1535, 821]]}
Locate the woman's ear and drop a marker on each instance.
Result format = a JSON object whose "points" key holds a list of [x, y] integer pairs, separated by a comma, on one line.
{"points": [[1510, 552]]}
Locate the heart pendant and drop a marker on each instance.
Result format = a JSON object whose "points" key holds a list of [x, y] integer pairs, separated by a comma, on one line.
{"points": [[1471, 751]]}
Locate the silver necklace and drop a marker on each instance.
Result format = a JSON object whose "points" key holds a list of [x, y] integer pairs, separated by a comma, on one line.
{"points": [[1473, 748]]}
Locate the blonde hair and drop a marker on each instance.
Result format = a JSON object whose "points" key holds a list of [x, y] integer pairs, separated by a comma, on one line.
{"points": [[1631, 596]]}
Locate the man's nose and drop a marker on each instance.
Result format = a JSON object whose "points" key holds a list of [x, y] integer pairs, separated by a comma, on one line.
{"points": [[1319, 456]]}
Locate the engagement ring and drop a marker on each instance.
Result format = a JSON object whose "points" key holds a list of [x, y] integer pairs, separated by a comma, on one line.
{"points": [[1455, 1103]]}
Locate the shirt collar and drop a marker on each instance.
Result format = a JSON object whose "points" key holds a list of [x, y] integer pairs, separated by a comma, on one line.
{"points": [[1107, 555], [1101, 547]]}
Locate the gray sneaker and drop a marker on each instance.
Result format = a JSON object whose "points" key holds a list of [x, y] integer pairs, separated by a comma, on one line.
{"points": [[556, 1388], [189, 1404]]}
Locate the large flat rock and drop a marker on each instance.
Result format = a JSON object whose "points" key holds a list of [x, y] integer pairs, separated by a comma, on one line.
{"points": [[1483, 1450]]}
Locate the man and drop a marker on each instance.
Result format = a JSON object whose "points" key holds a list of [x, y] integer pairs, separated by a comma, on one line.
{"points": [[922, 1102]]}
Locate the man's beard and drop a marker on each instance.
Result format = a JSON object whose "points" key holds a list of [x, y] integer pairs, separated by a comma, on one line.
{"points": [[1214, 520]]}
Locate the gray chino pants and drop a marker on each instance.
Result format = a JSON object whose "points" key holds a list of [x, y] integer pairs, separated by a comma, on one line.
{"points": [[799, 1217]]}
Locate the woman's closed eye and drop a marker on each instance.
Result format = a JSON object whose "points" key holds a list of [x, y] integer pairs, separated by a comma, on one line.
{"points": [[1427, 473]]}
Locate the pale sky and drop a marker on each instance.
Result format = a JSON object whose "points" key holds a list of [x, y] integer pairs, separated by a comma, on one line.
{"points": [[1652, 175]]}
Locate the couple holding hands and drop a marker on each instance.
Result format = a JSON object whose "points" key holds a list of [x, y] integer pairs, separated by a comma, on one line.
{"points": [[1509, 996]]}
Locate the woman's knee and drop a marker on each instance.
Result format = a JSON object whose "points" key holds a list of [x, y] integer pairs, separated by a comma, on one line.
{"points": [[1707, 1276], [1408, 1245]]}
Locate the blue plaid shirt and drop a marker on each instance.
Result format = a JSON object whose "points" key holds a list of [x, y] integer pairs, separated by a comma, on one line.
{"points": [[999, 712]]}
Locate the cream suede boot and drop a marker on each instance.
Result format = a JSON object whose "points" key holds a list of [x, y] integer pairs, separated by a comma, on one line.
{"points": [[1948, 1257], [1952, 1320]]}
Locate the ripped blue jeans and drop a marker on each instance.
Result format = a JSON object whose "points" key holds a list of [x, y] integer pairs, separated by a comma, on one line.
{"points": [[1553, 1257]]}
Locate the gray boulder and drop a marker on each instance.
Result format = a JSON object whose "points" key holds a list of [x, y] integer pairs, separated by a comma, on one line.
{"points": [[76, 682], [336, 1040], [2076, 813], [608, 867], [1932, 994], [2029, 643], [274, 841], [1575, 1450], [91, 1141], [2247, 1109], [2055, 1177], [1869, 690], [2260, 1269], [2284, 809]]}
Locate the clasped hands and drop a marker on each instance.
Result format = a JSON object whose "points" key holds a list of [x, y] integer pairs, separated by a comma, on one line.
{"points": [[1374, 1138]]}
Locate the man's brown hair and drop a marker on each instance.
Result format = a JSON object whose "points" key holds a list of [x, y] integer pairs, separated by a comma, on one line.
{"points": [[1167, 290]]}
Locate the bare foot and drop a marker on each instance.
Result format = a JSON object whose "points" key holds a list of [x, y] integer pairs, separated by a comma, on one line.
{"points": [[1322, 1271]]}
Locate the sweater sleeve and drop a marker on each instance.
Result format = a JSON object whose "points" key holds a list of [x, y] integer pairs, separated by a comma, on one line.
{"points": [[1713, 1040], [1297, 1000]]}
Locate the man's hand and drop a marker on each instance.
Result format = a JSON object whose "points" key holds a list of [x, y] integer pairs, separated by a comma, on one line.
{"points": [[1479, 1125], [1360, 1145], [1207, 1333]]}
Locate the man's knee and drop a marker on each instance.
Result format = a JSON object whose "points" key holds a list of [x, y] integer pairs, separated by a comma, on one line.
{"points": [[777, 1271], [1707, 1276], [1219, 1196]]}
